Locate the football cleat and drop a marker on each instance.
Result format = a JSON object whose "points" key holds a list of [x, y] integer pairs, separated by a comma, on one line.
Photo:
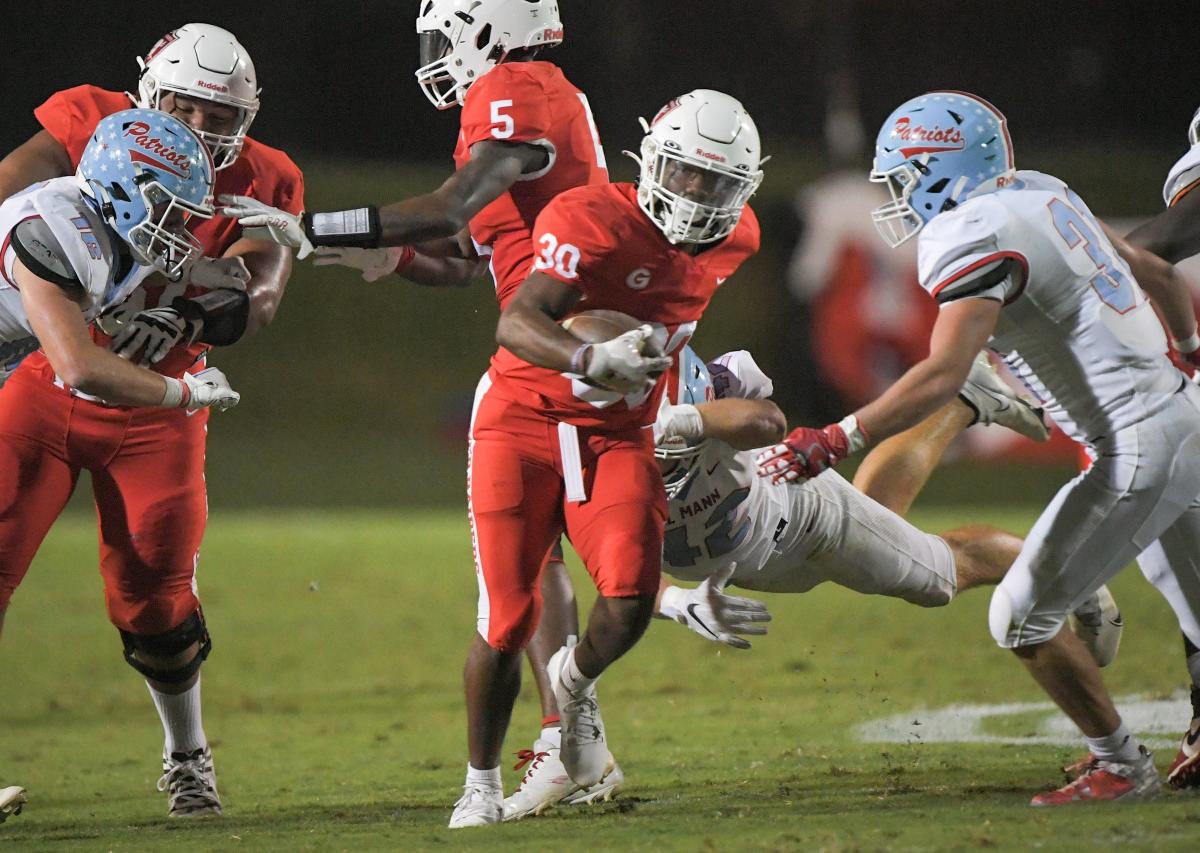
{"points": [[584, 749], [12, 800], [1098, 625], [478, 806], [191, 784], [995, 403], [1185, 769], [545, 782], [601, 792], [1107, 781]]}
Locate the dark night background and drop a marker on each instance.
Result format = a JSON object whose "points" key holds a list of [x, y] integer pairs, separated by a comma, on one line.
{"points": [[358, 394]]}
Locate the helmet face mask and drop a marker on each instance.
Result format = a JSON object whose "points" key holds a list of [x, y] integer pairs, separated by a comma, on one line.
{"points": [[206, 63], [933, 152], [149, 175], [461, 40], [688, 382], [699, 166]]}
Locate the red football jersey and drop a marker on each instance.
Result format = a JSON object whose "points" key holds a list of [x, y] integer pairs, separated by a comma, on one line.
{"points": [[598, 240], [261, 172], [528, 102]]}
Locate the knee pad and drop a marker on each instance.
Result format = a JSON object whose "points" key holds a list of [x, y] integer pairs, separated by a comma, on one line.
{"points": [[170, 643], [1000, 613], [512, 621]]}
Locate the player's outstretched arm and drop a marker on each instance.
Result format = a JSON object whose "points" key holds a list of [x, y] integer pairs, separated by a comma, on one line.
{"points": [[39, 158], [406, 262], [742, 424], [1167, 289], [960, 333], [58, 324], [1174, 234], [492, 169]]}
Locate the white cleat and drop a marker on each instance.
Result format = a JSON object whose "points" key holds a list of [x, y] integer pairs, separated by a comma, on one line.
{"points": [[545, 782], [12, 800], [584, 750], [601, 792], [191, 784], [1098, 625], [996, 403], [478, 806]]}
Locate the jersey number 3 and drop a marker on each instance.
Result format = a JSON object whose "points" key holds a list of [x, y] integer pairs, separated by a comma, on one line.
{"points": [[1111, 283]]}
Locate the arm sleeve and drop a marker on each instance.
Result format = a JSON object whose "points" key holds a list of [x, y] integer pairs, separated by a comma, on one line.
{"points": [[507, 105], [569, 242], [42, 254], [962, 255], [736, 374]]}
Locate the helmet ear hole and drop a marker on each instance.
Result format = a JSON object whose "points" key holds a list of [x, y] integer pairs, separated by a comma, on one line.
{"points": [[484, 37]]}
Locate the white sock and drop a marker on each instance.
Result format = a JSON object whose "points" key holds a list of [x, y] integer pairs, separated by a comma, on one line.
{"points": [[180, 715], [574, 680], [552, 734], [1120, 746], [484, 778]]}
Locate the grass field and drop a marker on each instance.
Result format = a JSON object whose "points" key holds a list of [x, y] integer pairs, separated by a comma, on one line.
{"points": [[333, 701]]}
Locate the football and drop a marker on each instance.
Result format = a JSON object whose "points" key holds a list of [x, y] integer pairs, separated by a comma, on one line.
{"points": [[594, 327]]}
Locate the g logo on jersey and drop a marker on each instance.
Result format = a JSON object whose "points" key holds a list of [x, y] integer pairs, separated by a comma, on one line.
{"points": [[639, 279]]}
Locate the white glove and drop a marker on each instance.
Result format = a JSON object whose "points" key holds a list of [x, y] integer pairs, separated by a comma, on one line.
{"points": [[262, 222], [374, 263], [209, 387], [154, 332], [682, 421], [712, 614], [736, 374], [619, 364], [217, 273]]}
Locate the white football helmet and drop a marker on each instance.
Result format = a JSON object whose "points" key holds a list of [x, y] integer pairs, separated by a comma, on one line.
{"points": [[1194, 129], [461, 40], [206, 62], [700, 164]]}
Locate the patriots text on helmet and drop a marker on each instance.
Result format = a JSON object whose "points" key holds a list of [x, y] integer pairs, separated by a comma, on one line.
{"points": [[140, 131], [927, 138]]}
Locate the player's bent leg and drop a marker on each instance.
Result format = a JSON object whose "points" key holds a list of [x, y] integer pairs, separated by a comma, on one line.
{"points": [[895, 471], [170, 661], [982, 554]]}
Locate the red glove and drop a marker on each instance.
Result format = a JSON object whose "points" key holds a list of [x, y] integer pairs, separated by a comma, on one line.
{"points": [[805, 453], [1188, 362]]}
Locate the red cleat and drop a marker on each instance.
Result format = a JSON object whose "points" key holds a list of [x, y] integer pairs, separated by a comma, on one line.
{"points": [[1185, 769], [1107, 781]]}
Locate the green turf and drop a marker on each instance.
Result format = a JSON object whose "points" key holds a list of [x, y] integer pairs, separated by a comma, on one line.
{"points": [[333, 701]]}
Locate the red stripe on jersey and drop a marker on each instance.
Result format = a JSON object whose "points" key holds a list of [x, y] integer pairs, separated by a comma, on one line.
{"points": [[982, 262]]}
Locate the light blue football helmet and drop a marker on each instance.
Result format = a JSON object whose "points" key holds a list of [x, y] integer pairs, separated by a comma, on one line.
{"points": [[149, 174], [688, 382], [933, 152]]}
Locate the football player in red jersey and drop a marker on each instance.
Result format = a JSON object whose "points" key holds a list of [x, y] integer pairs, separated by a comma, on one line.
{"points": [[147, 465], [560, 437], [527, 134]]}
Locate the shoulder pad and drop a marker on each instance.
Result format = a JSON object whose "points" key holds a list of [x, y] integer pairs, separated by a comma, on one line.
{"points": [[39, 250]]}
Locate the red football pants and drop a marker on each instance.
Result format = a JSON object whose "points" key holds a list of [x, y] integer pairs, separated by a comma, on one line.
{"points": [[147, 468], [517, 506]]}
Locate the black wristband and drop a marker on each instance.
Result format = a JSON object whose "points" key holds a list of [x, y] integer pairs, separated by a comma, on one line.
{"points": [[358, 227], [222, 314]]}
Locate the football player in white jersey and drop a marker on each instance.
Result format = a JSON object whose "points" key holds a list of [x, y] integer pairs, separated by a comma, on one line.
{"points": [[1017, 262], [75, 246]]}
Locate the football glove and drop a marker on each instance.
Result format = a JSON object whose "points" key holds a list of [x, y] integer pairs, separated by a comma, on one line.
{"points": [[374, 263], [154, 333], [712, 614], [207, 388], [262, 222], [619, 364], [217, 273], [806, 452], [682, 421]]}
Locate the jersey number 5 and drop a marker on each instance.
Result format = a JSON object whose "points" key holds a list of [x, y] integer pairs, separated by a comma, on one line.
{"points": [[503, 124]]}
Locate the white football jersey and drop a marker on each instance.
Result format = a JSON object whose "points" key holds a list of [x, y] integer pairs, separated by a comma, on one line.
{"points": [[85, 247], [1182, 176], [1076, 329]]}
